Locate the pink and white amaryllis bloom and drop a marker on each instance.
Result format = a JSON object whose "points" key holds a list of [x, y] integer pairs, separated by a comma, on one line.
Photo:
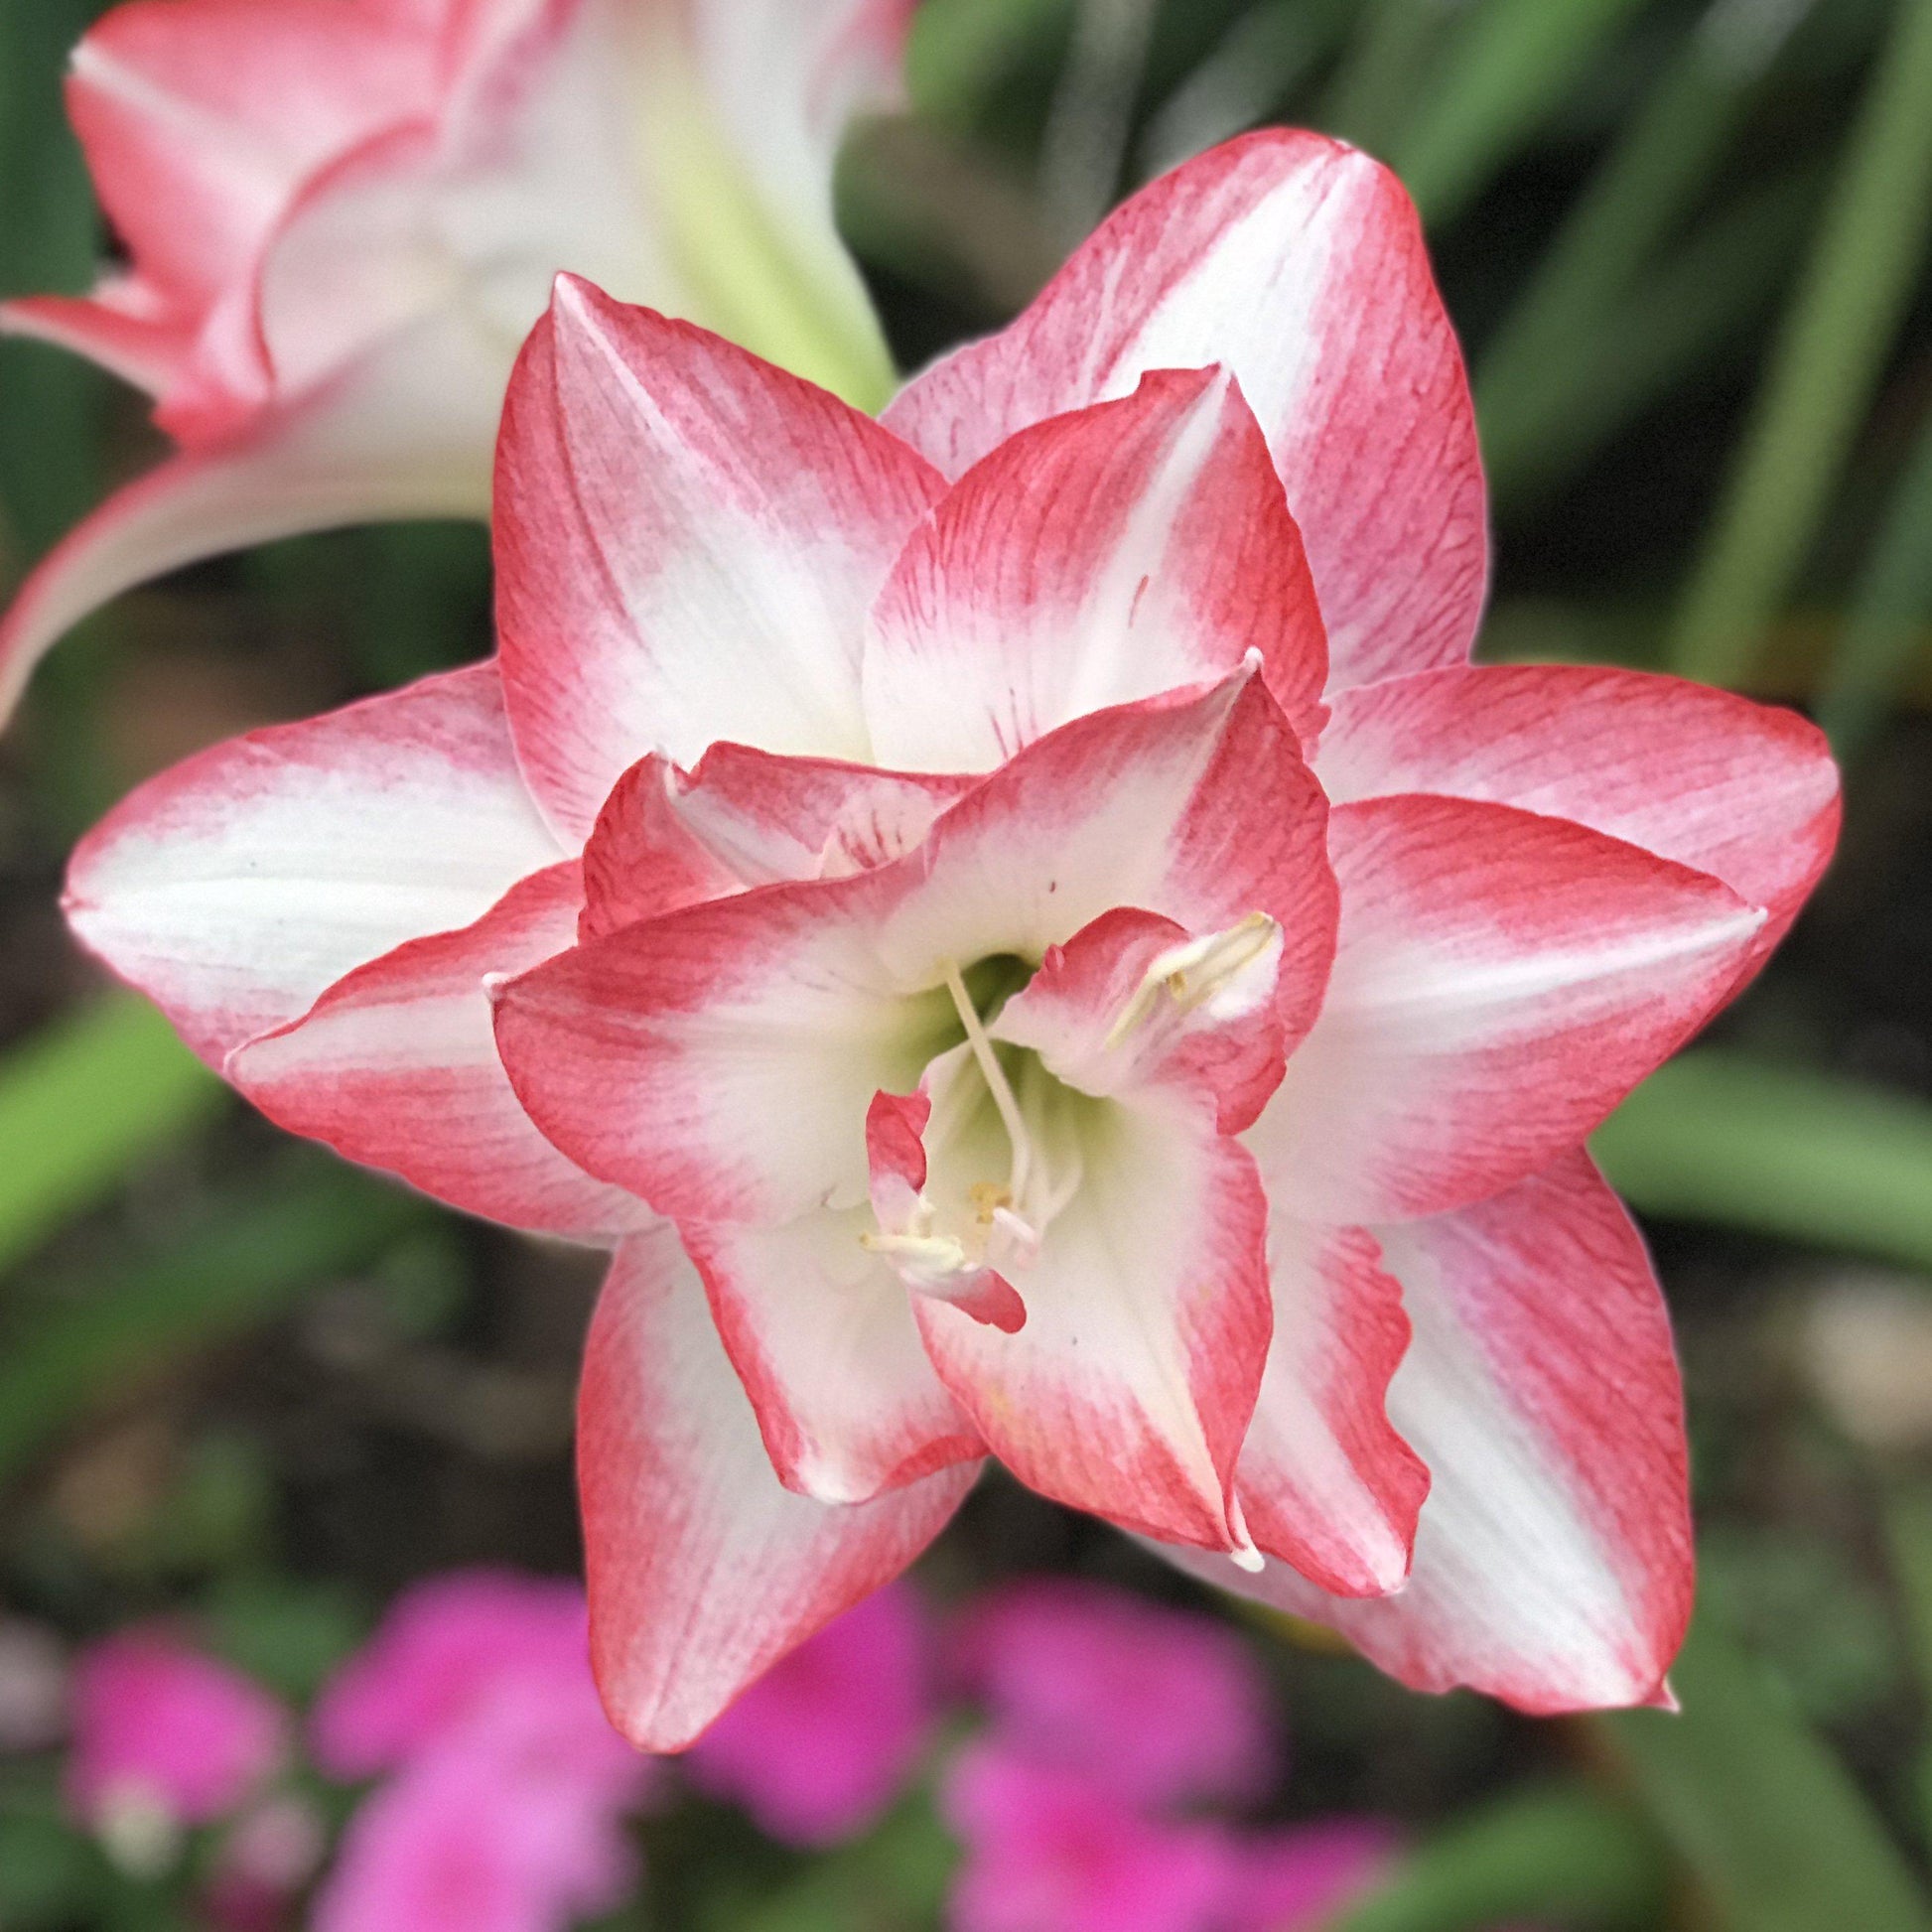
{"points": [[343, 216], [1020, 925]]}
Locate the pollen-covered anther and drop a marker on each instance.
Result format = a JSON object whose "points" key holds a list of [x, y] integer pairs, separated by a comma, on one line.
{"points": [[920, 1255], [1221, 965]]}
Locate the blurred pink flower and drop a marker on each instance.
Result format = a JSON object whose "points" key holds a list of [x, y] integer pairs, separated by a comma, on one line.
{"points": [[268, 1856], [505, 1813], [504, 1825], [448, 1647], [1158, 1706], [165, 1738], [1295, 1880], [1048, 1851], [825, 1742]]}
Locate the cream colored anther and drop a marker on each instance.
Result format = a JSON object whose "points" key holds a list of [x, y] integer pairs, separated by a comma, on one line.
{"points": [[1198, 971]]}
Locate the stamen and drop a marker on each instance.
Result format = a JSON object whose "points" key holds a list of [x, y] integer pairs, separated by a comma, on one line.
{"points": [[1192, 974], [935, 1258], [996, 1083]]}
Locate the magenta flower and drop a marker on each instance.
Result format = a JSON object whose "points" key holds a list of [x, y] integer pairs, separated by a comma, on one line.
{"points": [[505, 1811], [1297, 1880], [1047, 1850], [164, 1738], [343, 215], [1157, 1707], [494, 1829], [451, 1648], [1019, 926], [821, 1744]]}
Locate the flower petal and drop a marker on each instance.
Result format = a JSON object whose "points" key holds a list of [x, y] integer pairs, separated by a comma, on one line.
{"points": [[1111, 554], [234, 889], [385, 439], [201, 117], [1298, 264], [1501, 982], [396, 1066], [1105, 1015], [1553, 1563], [719, 1061], [1130, 1387], [118, 327], [744, 817], [688, 540], [1746, 792], [703, 1569], [1326, 1482], [822, 1337]]}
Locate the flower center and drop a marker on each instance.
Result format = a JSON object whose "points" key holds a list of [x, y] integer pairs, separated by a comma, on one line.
{"points": [[1003, 1149]]}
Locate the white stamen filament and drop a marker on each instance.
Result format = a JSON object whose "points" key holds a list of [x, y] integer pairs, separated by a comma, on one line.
{"points": [[997, 1084]]}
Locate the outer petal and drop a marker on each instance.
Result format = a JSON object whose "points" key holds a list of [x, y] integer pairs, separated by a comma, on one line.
{"points": [[1327, 1485], [687, 542], [237, 886], [822, 1337], [396, 1066], [1553, 1563], [1501, 982], [1743, 791], [1104, 556], [703, 1569], [721, 1061], [1299, 264], [121, 327], [404, 433]]}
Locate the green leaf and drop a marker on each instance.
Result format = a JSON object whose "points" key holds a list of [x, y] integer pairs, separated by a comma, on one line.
{"points": [[1719, 1136], [1778, 1834], [1393, 52], [1827, 363], [1546, 418], [50, 402], [1908, 1536], [83, 1102], [962, 52], [1577, 302], [1559, 1851], [1891, 605], [245, 1261], [47, 1872], [1512, 62]]}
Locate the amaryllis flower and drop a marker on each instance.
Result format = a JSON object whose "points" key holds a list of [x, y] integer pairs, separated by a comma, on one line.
{"points": [[1021, 928], [343, 216]]}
